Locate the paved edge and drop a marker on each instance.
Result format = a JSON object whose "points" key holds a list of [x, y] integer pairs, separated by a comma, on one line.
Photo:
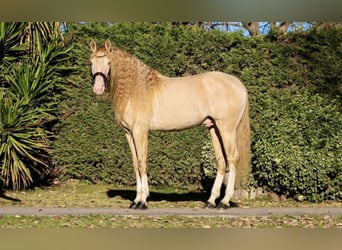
{"points": [[194, 212]]}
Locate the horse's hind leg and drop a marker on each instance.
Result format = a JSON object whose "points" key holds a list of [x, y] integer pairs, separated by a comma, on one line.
{"points": [[221, 163]]}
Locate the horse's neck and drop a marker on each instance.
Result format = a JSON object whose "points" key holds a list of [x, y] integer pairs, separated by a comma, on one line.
{"points": [[123, 78], [126, 67], [134, 87]]}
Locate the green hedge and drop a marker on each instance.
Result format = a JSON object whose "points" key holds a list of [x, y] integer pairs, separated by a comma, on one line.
{"points": [[294, 90], [297, 146]]}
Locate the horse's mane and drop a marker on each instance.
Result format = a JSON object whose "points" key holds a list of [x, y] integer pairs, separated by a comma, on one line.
{"points": [[133, 85]]}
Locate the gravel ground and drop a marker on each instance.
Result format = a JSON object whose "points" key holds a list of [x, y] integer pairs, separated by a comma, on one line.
{"points": [[194, 212]]}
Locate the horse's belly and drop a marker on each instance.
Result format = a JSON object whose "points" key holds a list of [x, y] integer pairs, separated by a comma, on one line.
{"points": [[171, 121], [176, 117]]}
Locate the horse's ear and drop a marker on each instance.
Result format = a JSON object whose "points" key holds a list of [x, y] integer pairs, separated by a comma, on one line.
{"points": [[92, 45], [108, 45]]}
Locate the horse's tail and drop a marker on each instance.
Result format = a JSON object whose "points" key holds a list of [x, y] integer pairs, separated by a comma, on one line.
{"points": [[243, 137]]}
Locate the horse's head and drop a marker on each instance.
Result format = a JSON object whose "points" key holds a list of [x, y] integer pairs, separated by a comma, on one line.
{"points": [[100, 66]]}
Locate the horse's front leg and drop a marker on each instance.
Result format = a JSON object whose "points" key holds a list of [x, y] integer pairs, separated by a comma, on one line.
{"points": [[135, 204], [137, 141]]}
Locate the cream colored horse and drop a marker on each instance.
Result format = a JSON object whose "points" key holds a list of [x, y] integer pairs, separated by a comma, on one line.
{"points": [[145, 100]]}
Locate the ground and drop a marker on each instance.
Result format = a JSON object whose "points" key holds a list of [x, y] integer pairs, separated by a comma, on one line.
{"points": [[78, 204]]}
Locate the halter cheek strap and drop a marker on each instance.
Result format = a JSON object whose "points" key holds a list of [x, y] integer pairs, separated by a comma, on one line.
{"points": [[101, 74]]}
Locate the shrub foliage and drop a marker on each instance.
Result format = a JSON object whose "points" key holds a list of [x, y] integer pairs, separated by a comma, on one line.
{"points": [[294, 85], [32, 63]]}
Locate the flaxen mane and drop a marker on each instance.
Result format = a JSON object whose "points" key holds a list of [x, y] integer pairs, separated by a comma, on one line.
{"points": [[132, 86]]}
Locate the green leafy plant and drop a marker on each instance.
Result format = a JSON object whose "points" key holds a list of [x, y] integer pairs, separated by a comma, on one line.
{"points": [[10, 45], [23, 143], [32, 85], [297, 147]]}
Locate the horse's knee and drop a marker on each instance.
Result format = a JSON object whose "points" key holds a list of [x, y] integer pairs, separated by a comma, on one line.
{"points": [[142, 167]]}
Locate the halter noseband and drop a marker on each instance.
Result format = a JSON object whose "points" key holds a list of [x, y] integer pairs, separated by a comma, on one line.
{"points": [[105, 78]]}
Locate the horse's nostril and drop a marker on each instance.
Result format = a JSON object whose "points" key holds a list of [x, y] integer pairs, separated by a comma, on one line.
{"points": [[99, 86]]}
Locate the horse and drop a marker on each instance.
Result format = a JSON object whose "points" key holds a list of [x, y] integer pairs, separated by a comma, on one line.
{"points": [[144, 99]]}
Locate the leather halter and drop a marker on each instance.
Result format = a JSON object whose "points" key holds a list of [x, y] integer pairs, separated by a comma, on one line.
{"points": [[105, 78]]}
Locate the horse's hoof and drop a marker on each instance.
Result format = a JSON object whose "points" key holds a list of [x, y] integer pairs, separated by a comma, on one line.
{"points": [[141, 206], [222, 206], [208, 205], [134, 205], [138, 205]]}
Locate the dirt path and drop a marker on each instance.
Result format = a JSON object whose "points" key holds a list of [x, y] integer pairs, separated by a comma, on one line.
{"points": [[195, 212]]}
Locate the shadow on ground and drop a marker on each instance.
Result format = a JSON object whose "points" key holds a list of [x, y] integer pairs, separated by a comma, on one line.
{"points": [[5, 197], [201, 196], [159, 196]]}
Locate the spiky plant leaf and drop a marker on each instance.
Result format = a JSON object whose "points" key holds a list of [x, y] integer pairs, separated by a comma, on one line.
{"points": [[23, 145], [10, 46], [29, 88]]}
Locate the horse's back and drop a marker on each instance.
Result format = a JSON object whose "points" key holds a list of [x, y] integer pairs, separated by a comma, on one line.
{"points": [[215, 80]]}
